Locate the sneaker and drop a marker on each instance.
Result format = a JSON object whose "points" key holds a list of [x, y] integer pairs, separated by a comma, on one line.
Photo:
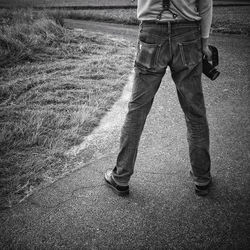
{"points": [[120, 190]]}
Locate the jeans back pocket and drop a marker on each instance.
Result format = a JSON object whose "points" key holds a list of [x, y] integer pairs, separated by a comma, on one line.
{"points": [[190, 51], [147, 55]]}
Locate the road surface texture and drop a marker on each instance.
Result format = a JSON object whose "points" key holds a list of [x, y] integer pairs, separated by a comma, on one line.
{"points": [[162, 211]]}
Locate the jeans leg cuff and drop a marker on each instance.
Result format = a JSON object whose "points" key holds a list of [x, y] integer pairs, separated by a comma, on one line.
{"points": [[122, 184], [201, 181]]}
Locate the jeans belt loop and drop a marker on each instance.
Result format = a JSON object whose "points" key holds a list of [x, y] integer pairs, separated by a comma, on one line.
{"points": [[169, 28]]}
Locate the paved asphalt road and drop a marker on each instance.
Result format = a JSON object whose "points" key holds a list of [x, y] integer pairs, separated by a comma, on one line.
{"points": [[162, 211]]}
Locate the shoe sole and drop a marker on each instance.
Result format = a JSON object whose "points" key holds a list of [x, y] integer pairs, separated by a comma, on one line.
{"points": [[202, 192], [120, 193]]}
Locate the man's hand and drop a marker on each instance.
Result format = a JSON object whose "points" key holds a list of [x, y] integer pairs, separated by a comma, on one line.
{"points": [[205, 49]]}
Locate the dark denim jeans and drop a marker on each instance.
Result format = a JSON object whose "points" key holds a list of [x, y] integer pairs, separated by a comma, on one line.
{"points": [[177, 45]]}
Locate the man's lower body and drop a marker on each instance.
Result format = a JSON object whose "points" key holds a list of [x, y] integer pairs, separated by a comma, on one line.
{"points": [[177, 45]]}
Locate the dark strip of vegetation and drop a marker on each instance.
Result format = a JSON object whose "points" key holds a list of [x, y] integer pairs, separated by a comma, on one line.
{"points": [[91, 7], [225, 20]]}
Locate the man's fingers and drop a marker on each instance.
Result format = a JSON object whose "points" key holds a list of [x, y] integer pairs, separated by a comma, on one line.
{"points": [[208, 54]]}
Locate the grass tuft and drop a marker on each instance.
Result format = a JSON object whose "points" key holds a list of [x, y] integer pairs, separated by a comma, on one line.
{"points": [[25, 35]]}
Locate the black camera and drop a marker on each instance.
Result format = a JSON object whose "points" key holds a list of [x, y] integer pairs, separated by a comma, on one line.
{"points": [[209, 69]]}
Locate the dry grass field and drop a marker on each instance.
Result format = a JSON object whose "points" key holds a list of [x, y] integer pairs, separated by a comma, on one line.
{"points": [[55, 85]]}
